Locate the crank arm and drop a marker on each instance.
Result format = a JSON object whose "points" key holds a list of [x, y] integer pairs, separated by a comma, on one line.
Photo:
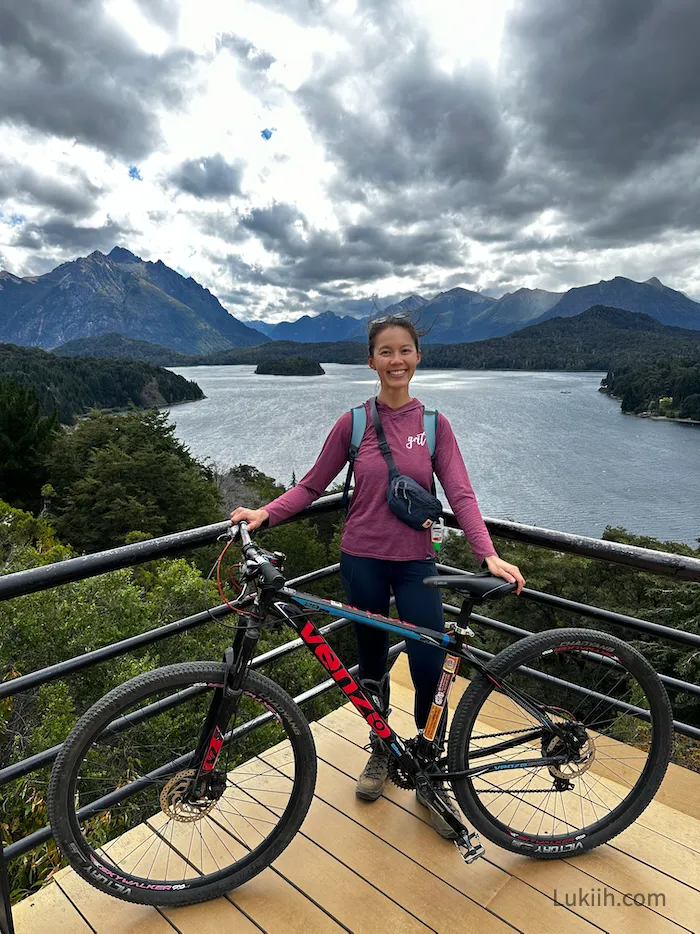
{"points": [[468, 842]]}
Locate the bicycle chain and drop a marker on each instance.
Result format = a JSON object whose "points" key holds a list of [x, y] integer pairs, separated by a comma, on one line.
{"points": [[525, 791], [505, 733]]}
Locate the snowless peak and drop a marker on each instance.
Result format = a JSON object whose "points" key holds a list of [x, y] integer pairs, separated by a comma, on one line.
{"points": [[654, 281], [121, 255]]}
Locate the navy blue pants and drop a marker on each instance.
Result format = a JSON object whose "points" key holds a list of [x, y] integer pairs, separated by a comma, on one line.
{"points": [[367, 582]]}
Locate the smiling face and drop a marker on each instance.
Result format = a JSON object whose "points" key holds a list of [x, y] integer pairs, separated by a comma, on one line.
{"points": [[395, 357]]}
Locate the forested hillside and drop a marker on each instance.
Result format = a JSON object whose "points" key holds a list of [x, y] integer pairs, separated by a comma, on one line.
{"points": [[126, 348], [667, 387], [73, 386]]}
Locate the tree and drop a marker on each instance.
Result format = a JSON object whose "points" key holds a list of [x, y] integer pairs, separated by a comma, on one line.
{"points": [[690, 407], [116, 474], [26, 439]]}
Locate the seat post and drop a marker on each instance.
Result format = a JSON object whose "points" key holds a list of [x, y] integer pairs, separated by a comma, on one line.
{"points": [[462, 622]]}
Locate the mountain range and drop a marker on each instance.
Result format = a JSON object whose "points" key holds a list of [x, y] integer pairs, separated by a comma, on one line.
{"points": [[119, 293], [460, 315]]}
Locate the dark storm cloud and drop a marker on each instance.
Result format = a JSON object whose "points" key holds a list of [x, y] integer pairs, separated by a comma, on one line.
{"points": [[608, 86], [62, 235], [417, 124], [208, 177], [608, 100], [75, 194], [591, 107], [66, 68], [277, 227], [358, 252]]}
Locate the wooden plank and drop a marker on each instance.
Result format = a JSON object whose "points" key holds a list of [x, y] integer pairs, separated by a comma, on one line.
{"points": [[268, 898], [482, 881], [212, 917], [279, 908], [560, 875], [48, 910], [424, 894]]}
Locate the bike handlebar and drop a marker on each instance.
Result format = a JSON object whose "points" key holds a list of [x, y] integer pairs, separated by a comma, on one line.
{"points": [[271, 575]]}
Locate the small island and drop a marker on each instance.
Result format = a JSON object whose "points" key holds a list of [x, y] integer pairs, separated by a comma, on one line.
{"points": [[290, 366]]}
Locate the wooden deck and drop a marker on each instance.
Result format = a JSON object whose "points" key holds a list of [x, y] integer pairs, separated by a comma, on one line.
{"points": [[380, 868]]}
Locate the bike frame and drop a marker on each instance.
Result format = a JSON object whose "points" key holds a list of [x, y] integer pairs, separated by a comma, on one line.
{"points": [[292, 606]]}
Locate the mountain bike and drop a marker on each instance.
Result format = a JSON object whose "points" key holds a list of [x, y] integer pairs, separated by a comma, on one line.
{"points": [[188, 780]]}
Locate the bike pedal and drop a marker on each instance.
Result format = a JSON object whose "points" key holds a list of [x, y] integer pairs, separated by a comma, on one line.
{"points": [[470, 847]]}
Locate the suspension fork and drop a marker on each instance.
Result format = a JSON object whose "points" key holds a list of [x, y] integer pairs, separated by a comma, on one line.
{"points": [[225, 701]]}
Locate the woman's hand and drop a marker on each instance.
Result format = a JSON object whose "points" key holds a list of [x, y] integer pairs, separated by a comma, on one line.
{"points": [[254, 517], [500, 568]]}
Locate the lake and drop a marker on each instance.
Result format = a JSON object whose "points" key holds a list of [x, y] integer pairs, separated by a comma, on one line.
{"points": [[542, 448]]}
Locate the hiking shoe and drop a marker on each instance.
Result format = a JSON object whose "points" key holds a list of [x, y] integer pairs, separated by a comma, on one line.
{"points": [[438, 822], [373, 777]]}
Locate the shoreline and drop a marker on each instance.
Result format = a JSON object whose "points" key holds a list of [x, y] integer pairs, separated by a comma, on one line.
{"points": [[650, 415], [666, 418]]}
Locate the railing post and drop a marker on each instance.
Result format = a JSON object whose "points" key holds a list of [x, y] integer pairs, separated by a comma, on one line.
{"points": [[6, 924]]}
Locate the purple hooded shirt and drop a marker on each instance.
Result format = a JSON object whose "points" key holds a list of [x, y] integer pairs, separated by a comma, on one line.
{"points": [[371, 529]]}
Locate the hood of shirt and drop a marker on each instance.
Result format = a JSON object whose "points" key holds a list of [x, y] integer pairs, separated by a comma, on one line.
{"points": [[386, 412]]}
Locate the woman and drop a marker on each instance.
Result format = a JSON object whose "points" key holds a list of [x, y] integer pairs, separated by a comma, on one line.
{"points": [[380, 553]]}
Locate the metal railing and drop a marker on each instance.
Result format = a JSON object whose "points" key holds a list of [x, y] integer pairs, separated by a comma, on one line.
{"points": [[75, 569]]}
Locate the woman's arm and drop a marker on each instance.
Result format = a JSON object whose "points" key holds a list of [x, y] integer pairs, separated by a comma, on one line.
{"points": [[452, 474], [329, 463]]}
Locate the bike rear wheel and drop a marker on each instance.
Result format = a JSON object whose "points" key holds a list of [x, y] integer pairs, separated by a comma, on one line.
{"points": [[118, 791], [618, 742]]}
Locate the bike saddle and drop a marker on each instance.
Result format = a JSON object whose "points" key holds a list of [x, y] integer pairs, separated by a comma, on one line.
{"points": [[478, 587]]}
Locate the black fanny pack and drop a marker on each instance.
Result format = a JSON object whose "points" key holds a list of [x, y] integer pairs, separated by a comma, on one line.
{"points": [[408, 500]]}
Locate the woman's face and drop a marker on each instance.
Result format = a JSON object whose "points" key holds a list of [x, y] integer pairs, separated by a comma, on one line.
{"points": [[395, 357]]}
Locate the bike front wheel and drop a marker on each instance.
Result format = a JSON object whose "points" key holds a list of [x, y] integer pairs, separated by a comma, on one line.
{"points": [[613, 726], [118, 792]]}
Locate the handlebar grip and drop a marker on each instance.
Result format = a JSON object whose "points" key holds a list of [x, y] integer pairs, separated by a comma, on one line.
{"points": [[272, 577]]}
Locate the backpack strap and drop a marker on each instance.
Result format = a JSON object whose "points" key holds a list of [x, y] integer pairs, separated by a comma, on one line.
{"points": [[359, 423], [430, 420]]}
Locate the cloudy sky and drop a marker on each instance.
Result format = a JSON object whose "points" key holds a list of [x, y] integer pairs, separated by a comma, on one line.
{"points": [[295, 155]]}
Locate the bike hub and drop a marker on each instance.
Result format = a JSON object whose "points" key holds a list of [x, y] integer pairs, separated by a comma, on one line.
{"points": [[177, 801], [577, 745]]}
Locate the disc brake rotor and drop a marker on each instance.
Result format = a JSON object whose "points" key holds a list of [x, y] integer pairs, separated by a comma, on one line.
{"points": [[173, 801], [571, 769]]}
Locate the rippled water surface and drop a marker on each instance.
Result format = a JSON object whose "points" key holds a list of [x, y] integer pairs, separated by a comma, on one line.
{"points": [[541, 448]]}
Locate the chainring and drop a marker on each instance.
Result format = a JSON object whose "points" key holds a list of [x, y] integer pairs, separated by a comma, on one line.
{"points": [[399, 776]]}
